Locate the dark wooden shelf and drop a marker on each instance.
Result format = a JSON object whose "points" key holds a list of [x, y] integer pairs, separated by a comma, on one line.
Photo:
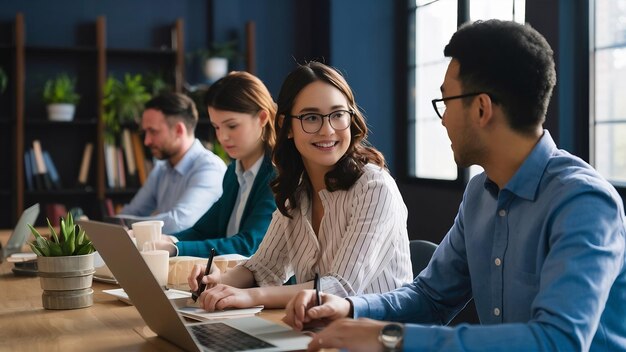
{"points": [[47, 123], [121, 192], [5, 192], [60, 50], [69, 192], [167, 52]]}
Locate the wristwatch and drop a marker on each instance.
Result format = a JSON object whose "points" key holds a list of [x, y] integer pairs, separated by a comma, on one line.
{"points": [[391, 337]]}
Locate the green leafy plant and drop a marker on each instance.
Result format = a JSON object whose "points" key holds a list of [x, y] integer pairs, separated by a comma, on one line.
{"points": [[60, 89], [226, 50], [4, 80], [71, 240], [123, 103]]}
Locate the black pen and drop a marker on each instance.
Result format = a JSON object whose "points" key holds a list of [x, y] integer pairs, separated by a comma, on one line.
{"points": [[201, 285], [318, 289]]}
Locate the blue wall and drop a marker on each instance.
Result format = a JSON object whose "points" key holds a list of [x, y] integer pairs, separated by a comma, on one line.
{"points": [[362, 47], [357, 34]]}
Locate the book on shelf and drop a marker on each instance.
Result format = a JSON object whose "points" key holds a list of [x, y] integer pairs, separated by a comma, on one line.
{"points": [[28, 171], [83, 173], [132, 179], [55, 211], [42, 177], [107, 208], [110, 164], [52, 171], [121, 171], [140, 158]]}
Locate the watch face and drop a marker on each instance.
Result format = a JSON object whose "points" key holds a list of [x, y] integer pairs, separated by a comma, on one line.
{"points": [[391, 334]]}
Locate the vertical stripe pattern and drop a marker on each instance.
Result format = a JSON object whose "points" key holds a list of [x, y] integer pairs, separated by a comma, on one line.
{"points": [[362, 245]]}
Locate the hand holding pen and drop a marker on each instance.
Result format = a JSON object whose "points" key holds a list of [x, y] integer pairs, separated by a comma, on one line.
{"points": [[207, 271]]}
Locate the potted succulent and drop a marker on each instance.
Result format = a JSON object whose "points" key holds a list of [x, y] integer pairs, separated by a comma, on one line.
{"points": [[60, 95], [65, 264], [215, 60]]}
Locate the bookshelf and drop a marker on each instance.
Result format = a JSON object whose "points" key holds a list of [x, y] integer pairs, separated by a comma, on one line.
{"points": [[23, 115]]}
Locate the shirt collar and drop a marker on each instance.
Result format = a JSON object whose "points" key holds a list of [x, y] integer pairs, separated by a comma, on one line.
{"points": [[253, 170], [186, 163], [525, 182]]}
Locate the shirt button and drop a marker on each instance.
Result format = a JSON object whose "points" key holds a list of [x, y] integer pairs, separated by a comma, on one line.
{"points": [[496, 312], [502, 212], [498, 262]]}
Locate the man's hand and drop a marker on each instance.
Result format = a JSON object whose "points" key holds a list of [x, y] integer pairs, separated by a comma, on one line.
{"points": [[350, 334], [302, 309]]}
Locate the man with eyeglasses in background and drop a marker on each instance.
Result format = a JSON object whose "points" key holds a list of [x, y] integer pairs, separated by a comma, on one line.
{"points": [[539, 238]]}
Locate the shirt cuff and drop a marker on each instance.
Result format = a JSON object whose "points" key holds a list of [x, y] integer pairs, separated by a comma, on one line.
{"points": [[174, 239], [368, 306]]}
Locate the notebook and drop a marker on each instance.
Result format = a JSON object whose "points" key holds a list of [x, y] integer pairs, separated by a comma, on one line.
{"points": [[236, 334], [21, 232]]}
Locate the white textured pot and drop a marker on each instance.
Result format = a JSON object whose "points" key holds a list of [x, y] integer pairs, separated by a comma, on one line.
{"points": [[215, 68], [66, 281], [61, 112]]}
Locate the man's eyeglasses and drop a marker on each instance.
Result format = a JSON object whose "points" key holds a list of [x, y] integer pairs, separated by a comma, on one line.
{"points": [[440, 106], [312, 122]]}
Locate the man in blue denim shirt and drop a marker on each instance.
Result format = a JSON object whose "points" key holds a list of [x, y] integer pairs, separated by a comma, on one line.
{"points": [[539, 238]]}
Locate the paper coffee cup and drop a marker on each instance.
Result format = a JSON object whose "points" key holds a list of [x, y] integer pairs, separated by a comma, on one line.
{"points": [[158, 262], [146, 231]]}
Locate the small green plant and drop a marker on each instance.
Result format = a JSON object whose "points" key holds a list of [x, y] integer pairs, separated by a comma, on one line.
{"points": [[60, 90], [4, 80], [226, 50], [123, 103], [71, 240]]}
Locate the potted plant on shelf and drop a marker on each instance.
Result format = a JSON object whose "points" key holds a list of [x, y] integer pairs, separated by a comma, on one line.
{"points": [[123, 103], [215, 60], [60, 95], [65, 264]]}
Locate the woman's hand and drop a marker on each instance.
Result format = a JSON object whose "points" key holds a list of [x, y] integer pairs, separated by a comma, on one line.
{"points": [[302, 309], [220, 297], [210, 280]]}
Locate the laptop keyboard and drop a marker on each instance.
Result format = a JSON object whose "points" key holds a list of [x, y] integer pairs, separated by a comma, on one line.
{"points": [[222, 337]]}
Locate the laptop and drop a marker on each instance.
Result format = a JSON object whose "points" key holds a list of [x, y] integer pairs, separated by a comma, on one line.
{"points": [[159, 313], [21, 232]]}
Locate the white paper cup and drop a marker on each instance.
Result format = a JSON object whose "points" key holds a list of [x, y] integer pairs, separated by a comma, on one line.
{"points": [[146, 231], [158, 262]]}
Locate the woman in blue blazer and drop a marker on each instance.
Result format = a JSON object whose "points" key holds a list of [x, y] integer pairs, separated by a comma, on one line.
{"points": [[242, 112]]}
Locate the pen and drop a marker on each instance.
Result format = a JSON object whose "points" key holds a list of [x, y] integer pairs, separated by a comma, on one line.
{"points": [[201, 285], [318, 289]]}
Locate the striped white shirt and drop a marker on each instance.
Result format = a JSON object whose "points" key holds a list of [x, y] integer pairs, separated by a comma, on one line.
{"points": [[362, 245]]}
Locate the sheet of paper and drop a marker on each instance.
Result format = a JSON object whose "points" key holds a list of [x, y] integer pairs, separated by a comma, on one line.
{"points": [[171, 294], [200, 314], [187, 308]]}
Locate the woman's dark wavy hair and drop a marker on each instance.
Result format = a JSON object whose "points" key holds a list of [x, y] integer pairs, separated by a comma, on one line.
{"points": [[242, 92], [286, 157]]}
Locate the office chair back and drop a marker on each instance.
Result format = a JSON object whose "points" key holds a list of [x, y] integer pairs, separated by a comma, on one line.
{"points": [[421, 252]]}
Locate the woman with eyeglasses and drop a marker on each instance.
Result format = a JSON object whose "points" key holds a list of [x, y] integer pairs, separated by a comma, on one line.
{"points": [[340, 214]]}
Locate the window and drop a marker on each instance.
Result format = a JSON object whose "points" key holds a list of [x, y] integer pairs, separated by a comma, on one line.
{"points": [[608, 88], [432, 23]]}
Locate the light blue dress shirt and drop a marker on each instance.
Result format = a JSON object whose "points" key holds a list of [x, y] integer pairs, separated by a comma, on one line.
{"points": [[543, 260], [179, 195], [245, 180]]}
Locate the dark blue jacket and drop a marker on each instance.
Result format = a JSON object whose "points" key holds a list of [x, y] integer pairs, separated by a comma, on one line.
{"points": [[210, 231]]}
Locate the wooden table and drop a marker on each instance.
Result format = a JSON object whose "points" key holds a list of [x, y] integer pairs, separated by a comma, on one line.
{"points": [[106, 326]]}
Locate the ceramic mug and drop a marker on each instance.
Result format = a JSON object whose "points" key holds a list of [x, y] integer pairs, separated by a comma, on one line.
{"points": [[146, 231]]}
